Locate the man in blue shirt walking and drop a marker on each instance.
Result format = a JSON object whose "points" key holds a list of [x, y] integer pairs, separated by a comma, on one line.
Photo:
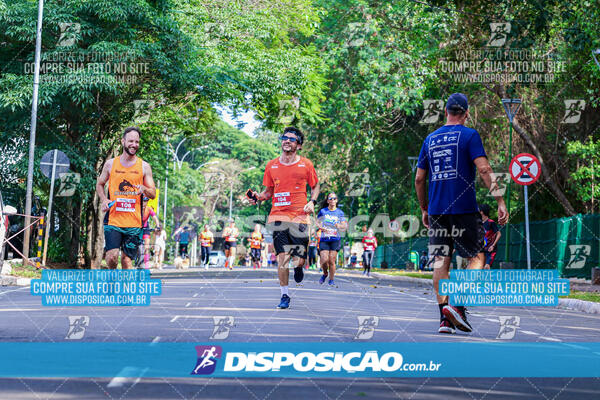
{"points": [[450, 156]]}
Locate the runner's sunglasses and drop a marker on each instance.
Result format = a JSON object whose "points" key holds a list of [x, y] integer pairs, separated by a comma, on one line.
{"points": [[291, 139]]}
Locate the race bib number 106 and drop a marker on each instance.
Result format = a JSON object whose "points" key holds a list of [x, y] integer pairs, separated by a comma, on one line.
{"points": [[125, 205]]}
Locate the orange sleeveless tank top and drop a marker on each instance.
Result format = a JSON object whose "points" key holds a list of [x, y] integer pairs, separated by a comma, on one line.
{"points": [[127, 210]]}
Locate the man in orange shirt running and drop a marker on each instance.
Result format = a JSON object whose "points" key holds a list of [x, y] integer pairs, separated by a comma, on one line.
{"points": [[256, 241], [129, 179], [285, 181]]}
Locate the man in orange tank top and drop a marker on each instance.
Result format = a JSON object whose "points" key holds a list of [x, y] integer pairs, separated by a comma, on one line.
{"points": [[129, 179], [286, 178]]}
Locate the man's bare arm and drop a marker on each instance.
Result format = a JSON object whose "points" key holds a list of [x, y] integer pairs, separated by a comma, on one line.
{"points": [[101, 183], [148, 189], [315, 191], [266, 194], [420, 180], [497, 239], [309, 208], [485, 171]]}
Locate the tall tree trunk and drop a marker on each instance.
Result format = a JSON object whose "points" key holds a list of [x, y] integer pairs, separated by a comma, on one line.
{"points": [[74, 246], [95, 234], [94, 226]]}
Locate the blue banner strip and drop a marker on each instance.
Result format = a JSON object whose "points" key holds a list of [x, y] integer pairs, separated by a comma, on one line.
{"points": [[320, 359]]}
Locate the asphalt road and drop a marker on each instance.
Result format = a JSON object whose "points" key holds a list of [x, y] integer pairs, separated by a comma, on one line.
{"points": [[184, 313]]}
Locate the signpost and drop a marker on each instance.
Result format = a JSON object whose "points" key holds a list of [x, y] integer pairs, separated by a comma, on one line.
{"points": [[511, 107], [525, 169], [53, 163]]}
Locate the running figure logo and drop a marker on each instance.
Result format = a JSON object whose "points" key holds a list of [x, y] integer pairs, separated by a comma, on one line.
{"points": [[359, 181], [366, 326], [499, 183], [579, 255], [573, 110], [68, 184], [68, 33], [207, 359], [142, 110], [222, 327], [432, 111], [357, 32], [288, 110], [77, 326], [500, 31], [437, 250], [508, 327]]}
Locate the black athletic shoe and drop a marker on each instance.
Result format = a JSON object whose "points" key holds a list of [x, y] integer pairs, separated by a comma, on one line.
{"points": [[446, 327], [298, 274], [458, 318]]}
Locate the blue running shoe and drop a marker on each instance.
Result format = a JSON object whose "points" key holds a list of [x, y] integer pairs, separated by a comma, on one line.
{"points": [[298, 274], [322, 279], [331, 283], [285, 302]]}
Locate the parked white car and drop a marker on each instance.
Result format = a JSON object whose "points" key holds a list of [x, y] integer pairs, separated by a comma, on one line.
{"points": [[216, 258]]}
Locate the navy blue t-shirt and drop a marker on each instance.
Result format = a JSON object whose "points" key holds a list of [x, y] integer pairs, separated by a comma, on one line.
{"points": [[328, 220], [447, 154]]}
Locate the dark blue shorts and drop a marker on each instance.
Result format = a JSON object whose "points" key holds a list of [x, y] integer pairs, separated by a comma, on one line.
{"points": [[333, 245]]}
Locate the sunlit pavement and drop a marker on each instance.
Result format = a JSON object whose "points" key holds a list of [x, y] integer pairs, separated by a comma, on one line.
{"points": [[191, 298]]}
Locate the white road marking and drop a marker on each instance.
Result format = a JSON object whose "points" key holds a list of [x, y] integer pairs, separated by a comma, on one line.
{"points": [[156, 339], [14, 290], [175, 318], [195, 295], [551, 339], [125, 376], [491, 320], [188, 304], [529, 332], [423, 298]]}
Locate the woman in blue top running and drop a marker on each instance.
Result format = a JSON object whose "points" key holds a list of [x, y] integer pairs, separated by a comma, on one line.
{"points": [[332, 221]]}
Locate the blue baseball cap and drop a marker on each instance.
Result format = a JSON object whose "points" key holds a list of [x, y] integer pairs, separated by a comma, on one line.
{"points": [[457, 101]]}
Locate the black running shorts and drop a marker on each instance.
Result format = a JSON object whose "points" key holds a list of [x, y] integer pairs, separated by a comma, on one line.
{"points": [[290, 237], [463, 232], [255, 254]]}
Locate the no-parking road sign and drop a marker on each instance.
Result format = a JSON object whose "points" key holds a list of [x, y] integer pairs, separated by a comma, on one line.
{"points": [[525, 169]]}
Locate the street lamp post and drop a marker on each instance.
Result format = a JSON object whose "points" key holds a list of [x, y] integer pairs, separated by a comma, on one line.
{"points": [[33, 125], [166, 184], [230, 197], [511, 106]]}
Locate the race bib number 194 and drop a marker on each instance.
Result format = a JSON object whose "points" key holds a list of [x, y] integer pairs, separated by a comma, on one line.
{"points": [[282, 199]]}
